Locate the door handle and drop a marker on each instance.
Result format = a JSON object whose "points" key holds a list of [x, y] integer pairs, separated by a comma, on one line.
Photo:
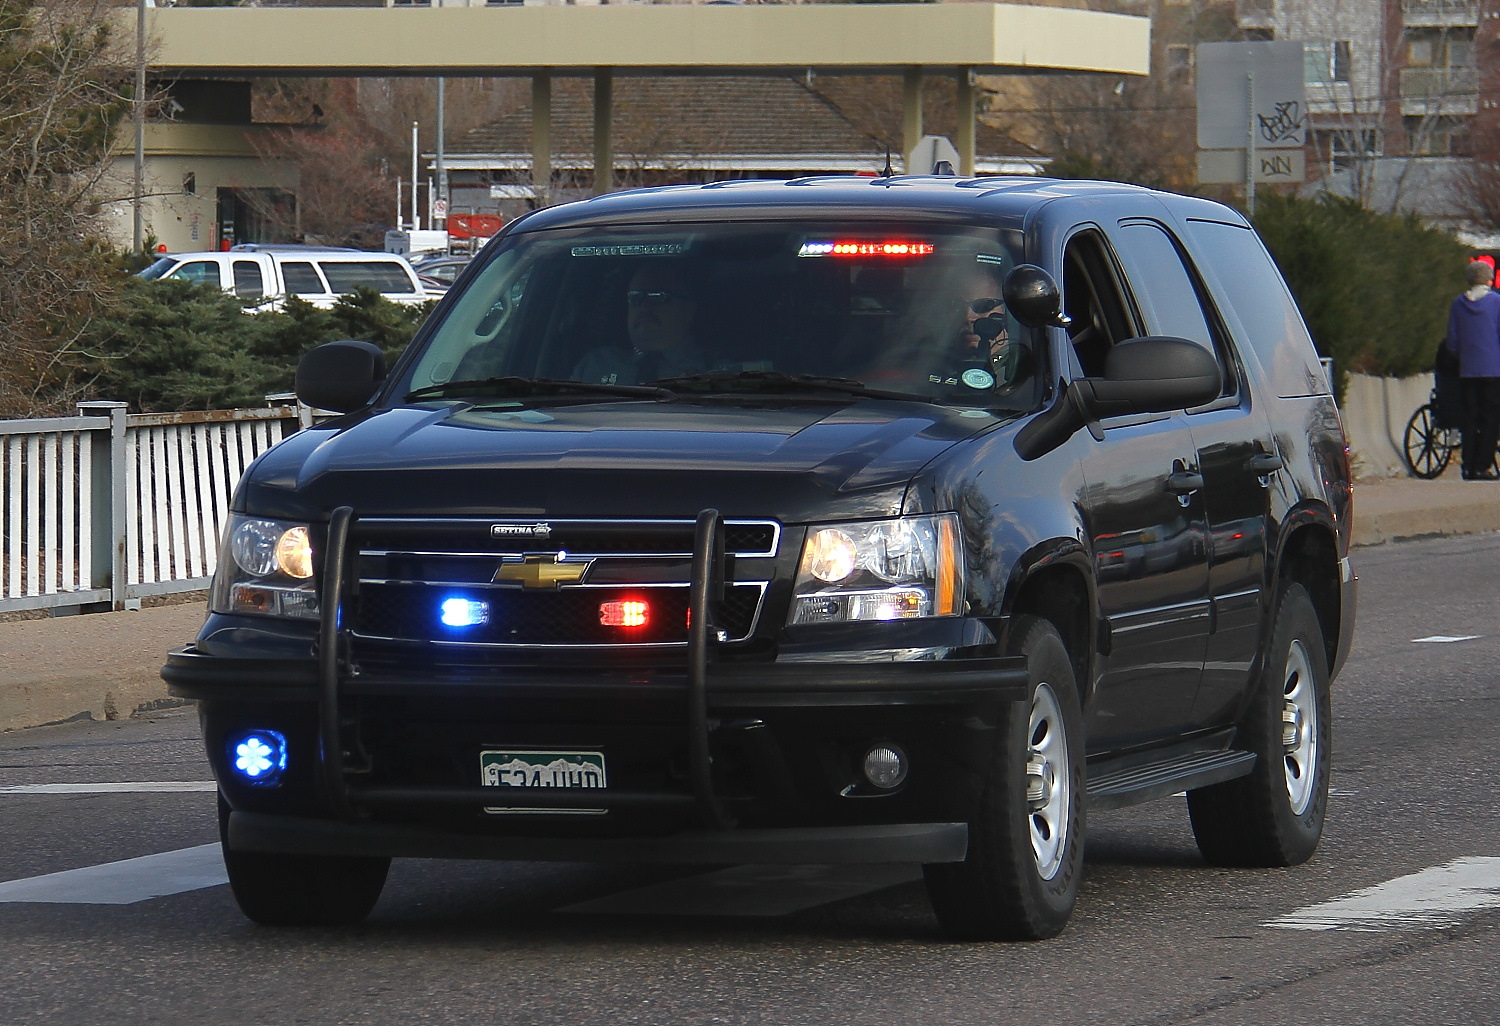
{"points": [[1264, 463], [1184, 482]]}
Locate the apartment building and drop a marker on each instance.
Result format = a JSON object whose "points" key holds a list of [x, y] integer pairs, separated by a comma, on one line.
{"points": [[1400, 93]]}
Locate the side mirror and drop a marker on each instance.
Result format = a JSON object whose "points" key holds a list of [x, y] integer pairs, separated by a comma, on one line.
{"points": [[340, 376], [1032, 297], [1155, 374]]}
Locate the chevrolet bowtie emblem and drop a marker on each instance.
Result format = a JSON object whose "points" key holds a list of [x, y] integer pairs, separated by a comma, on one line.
{"points": [[542, 572]]}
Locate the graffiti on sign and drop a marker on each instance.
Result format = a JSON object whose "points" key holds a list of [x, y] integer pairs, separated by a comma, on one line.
{"points": [[1285, 123], [1278, 166]]}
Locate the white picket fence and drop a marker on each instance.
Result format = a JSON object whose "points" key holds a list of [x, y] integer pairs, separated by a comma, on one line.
{"points": [[106, 508]]}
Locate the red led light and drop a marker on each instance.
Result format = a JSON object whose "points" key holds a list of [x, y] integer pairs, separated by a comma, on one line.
{"points": [[894, 248], [624, 613]]}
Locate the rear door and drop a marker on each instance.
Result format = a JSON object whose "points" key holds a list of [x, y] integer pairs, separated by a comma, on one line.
{"points": [[1236, 456]]}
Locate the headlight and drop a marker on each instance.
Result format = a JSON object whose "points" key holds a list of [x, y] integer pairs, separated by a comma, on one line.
{"points": [[266, 568], [880, 570]]}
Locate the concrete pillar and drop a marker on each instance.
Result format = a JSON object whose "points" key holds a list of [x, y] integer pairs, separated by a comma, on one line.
{"points": [[541, 137], [964, 141], [604, 154], [911, 116]]}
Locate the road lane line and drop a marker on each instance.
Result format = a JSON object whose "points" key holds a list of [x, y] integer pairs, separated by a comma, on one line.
{"points": [[1436, 897], [126, 882], [112, 787], [752, 891], [1442, 639]]}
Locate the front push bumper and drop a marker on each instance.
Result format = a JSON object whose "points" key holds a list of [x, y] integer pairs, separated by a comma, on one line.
{"points": [[357, 817]]}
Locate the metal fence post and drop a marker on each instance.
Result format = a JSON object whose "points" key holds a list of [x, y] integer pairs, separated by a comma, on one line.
{"points": [[108, 505]]}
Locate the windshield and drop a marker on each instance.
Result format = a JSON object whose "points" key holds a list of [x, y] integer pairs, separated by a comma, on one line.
{"points": [[910, 310], [158, 268]]}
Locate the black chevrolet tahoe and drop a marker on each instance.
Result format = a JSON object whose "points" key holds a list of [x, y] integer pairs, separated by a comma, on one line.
{"points": [[837, 520]]}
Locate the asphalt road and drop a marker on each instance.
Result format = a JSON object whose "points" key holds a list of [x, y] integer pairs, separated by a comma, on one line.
{"points": [[1158, 938]]}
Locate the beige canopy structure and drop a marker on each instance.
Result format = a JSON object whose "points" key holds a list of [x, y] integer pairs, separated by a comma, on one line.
{"points": [[914, 40]]}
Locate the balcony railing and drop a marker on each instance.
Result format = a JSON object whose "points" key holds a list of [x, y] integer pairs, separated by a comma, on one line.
{"points": [[1439, 91], [1439, 13], [1255, 13]]}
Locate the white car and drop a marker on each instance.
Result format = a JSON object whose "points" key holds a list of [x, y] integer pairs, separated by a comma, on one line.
{"points": [[266, 275]]}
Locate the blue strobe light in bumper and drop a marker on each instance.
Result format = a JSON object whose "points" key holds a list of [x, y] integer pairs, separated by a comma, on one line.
{"points": [[257, 757]]}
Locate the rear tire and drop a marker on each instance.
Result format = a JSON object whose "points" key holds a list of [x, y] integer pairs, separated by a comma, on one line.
{"points": [[301, 890], [1026, 829], [1274, 816]]}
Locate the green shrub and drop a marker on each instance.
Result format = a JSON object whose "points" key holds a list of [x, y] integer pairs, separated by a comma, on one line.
{"points": [[1374, 288], [172, 345]]}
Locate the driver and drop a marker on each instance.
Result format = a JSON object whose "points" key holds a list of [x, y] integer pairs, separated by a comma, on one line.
{"points": [[659, 308]]}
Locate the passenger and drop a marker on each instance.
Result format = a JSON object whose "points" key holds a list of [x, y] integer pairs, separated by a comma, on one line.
{"points": [[660, 309]]}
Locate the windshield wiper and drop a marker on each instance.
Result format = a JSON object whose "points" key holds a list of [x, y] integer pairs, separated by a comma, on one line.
{"points": [[512, 385], [777, 381]]}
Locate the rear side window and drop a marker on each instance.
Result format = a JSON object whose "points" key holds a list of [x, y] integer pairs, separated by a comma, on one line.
{"points": [[302, 278], [202, 272], [1270, 325], [249, 283], [381, 275]]}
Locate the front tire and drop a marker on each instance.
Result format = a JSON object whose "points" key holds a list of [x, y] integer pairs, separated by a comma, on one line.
{"points": [[301, 890], [1026, 828], [1274, 816]]}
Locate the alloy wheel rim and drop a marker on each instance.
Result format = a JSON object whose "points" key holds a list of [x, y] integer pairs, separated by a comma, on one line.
{"points": [[1049, 791], [1299, 728]]}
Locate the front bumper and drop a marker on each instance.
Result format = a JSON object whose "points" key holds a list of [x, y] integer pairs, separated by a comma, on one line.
{"points": [[712, 760]]}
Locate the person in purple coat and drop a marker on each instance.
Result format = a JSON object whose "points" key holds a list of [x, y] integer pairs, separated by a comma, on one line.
{"points": [[1474, 337]]}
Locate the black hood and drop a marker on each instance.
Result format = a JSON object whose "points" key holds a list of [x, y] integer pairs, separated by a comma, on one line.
{"points": [[793, 460]]}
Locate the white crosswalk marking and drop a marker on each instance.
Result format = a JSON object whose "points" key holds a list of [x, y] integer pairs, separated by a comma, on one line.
{"points": [[112, 787], [1436, 897], [123, 883]]}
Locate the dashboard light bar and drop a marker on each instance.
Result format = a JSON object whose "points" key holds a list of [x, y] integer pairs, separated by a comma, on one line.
{"points": [[624, 613], [896, 248]]}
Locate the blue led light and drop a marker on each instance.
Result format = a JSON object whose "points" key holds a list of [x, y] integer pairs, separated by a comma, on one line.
{"points": [[463, 612], [258, 756]]}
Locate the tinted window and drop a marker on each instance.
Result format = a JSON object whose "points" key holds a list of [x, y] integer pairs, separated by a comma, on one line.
{"points": [[302, 278], [381, 275], [1167, 296], [204, 272], [906, 308], [249, 283], [1270, 325]]}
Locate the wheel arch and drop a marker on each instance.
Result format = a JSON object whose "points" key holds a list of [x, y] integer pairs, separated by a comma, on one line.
{"points": [[1309, 556], [1058, 589]]}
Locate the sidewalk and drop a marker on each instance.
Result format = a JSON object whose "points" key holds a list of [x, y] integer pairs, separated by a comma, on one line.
{"points": [[104, 665]]}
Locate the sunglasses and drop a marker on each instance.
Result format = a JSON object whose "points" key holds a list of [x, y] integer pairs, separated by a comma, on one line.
{"points": [[984, 306], [641, 297]]}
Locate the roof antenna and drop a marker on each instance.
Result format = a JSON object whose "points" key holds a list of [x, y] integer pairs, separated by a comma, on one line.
{"points": [[889, 171]]}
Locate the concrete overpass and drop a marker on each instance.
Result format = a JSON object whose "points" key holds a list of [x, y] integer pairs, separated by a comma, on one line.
{"points": [[913, 40]]}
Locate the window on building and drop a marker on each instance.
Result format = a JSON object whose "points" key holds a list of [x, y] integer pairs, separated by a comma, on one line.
{"points": [[1325, 61], [1179, 62], [1435, 137], [1345, 148]]}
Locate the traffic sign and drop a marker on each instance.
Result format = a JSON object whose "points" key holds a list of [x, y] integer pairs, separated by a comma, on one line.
{"points": [[1234, 76], [1271, 166]]}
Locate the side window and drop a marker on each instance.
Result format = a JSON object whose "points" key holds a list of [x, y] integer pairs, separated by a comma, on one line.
{"points": [[385, 276], [200, 272], [249, 283], [1272, 325], [1167, 292], [1094, 300], [302, 279]]}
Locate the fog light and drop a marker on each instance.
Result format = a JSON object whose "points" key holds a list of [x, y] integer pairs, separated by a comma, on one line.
{"points": [[885, 766], [258, 756]]}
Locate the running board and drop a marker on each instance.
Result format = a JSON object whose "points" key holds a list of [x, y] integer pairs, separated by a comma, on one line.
{"points": [[1115, 787]]}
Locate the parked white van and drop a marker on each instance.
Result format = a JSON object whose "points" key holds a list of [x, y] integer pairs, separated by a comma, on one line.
{"points": [[266, 275]]}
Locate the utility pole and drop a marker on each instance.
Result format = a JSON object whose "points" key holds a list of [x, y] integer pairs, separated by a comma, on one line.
{"points": [[139, 111], [442, 172]]}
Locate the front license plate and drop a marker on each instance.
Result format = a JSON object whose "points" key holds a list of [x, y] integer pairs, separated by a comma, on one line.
{"points": [[506, 770]]}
